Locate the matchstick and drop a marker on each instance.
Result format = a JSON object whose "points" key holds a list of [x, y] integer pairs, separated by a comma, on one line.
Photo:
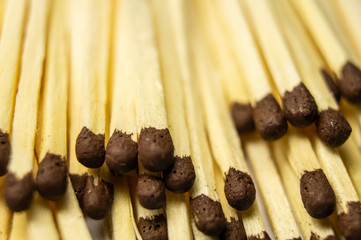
{"points": [[268, 117], [19, 184], [312, 228], [5, 214], [335, 54], [10, 54], [155, 145], [299, 105], [331, 125], [3, 4], [253, 223], [270, 185]]}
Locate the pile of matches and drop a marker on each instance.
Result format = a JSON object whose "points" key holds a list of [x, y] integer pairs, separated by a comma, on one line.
{"points": [[164, 118]]}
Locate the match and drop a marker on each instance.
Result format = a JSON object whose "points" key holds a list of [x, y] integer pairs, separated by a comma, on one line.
{"points": [[253, 223], [5, 214]]}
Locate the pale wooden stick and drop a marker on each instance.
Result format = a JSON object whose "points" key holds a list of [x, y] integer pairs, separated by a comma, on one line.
{"points": [[253, 223], [3, 5]]}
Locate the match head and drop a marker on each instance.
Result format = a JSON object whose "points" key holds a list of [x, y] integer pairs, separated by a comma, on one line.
{"points": [[317, 194], [234, 231], [78, 182], [331, 84], [97, 198], [18, 193], [4, 152], [269, 119], [350, 222], [332, 127], [154, 228], [180, 176], [239, 189], [350, 82], [121, 154], [242, 117], [265, 237], [156, 149], [150, 192], [51, 179], [89, 148], [208, 215], [299, 106]]}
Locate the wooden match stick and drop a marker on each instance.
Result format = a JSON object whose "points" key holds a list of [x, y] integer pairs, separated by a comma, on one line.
{"points": [[312, 228], [19, 184], [336, 55], [331, 125], [268, 117], [10, 54], [299, 105], [5, 214], [270, 185], [155, 143], [3, 5]]}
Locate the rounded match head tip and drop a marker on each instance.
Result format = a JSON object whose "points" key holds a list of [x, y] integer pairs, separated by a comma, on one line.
{"points": [[331, 84], [332, 128], [350, 222], [242, 117], [155, 149], [19, 193], [154, 228], [269, 119], [150, 192], [121, 154], [317, 194], [234, 231], [89, 148], [97, 198], [239, 189], [350, 82], [265, 237], [4, 152], [180, 176], [51, 179], [208, 215], [299, 106]]}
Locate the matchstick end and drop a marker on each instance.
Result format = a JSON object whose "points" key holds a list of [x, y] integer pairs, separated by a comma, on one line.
{"points": [[317, 194], [4, 152], [150, 192], [18, 193], [331, 84], [234, 231], [154, 228], [350, 82], [350, 222], [51, 179], [180, 176], [242, 117], [265, 237]]}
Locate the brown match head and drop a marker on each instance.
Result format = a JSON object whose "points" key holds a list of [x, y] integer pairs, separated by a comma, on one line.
{"points": [[299, 106], [332, 127], [156, 149], [350, 222], [122, 153], [89, 148], [242, 117], [78, 182], [208, 215], [239, 189], [317, 194], [331, 84], [350, 82], [51, 179], [150, 191], [269, 119], [4, 152], [154, 228], [97, 198], [265, 237], [234, 231], [314, 236], [18, 193], [180, 176]]}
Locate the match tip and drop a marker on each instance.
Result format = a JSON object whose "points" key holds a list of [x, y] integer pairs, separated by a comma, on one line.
{"points": [[78, 182], [4, 152], [89, 148], [332, 127], [265, 237], [242, 117], [179, 177], [350, 82], [350, 222], [331, 84], [154, 228], [269, 119], [208, 215], [98, 198], [51, 179], [121, 154], [239, 189], [18, 193], [234, 231], [150, 192], [156, 149], [299, 106], [314, 236], [317, 194]]}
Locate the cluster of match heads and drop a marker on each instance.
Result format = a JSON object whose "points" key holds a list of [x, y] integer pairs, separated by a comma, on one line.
{"points": [[175, 94]]}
